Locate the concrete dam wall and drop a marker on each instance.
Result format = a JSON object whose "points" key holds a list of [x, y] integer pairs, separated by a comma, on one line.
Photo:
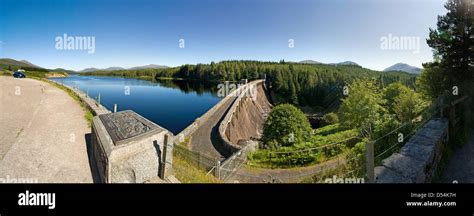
{"points": [[245, 118]]}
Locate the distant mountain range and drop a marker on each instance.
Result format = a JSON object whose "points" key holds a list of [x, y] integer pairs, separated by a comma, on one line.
{"points": [[30, 64], [309, 62], [340, 63], [7, 63], [347, 63], [404, 67], [150, 66], [12, 64], [396, 67]]}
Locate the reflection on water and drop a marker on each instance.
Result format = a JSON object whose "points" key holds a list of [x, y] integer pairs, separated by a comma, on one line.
{"points": [[169, 103]]}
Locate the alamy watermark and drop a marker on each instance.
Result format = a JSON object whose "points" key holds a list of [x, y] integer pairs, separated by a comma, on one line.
{"points": [[406, 43], [8, 179], [236, 89], [66, 42], [37, 199], [337, 180]]}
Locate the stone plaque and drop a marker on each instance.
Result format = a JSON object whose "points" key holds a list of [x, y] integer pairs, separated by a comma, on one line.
{"points": [[124, 125]]}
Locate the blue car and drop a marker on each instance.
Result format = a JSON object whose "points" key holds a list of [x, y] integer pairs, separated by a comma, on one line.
{"points": [[19, 75]]}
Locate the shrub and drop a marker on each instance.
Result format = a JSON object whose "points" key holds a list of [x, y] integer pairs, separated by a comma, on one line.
{"points": [[330, 118], [285, 126]]}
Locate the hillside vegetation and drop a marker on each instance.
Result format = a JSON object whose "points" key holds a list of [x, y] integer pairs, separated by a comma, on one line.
{"points": [[318, 86]]}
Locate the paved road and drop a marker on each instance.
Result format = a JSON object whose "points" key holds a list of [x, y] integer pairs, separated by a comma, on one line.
{"points": [[42, 134], [204, 138], [460, 167]]}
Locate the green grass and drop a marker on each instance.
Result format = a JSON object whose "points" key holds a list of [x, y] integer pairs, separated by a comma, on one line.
{"points": [[5, 73], [187, 173], [329, 129], [185, 142], [337, 140]]}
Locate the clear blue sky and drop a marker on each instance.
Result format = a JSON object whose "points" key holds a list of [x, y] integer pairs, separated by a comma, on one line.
{"points": [[137, 32]]}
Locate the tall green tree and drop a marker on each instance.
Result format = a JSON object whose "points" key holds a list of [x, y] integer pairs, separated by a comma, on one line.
{"points": [[391, 92], [453, 42], [362, 107], [432, 82], [408, 105]]}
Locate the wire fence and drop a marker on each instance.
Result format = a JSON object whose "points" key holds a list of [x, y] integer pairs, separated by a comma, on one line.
{"points": [[197, 159]]}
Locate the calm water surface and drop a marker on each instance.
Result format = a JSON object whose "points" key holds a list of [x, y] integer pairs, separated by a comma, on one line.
{"points": [[171, 104]]}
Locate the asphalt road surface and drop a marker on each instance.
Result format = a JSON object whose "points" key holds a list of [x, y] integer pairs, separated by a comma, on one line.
{"points": [[203, 139], [42, 134]]}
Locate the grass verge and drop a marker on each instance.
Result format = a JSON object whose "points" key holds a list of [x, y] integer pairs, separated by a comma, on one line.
{"points": [[187, 173]]}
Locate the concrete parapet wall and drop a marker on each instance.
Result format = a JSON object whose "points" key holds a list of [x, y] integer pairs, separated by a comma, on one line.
{"points": [[198, 122], [419, 157]]}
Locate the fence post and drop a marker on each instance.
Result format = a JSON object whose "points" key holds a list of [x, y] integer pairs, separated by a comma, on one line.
{"points": [[218, 169], [370, 174], [163, 157]]}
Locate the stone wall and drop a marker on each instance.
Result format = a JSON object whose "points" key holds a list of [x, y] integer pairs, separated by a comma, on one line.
{"points": [[419, 157]]}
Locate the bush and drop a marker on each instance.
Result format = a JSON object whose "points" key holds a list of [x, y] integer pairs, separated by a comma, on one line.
{"points": [[330, 118], [285, 126], [356, 159], [329, 129], [306, 153]]}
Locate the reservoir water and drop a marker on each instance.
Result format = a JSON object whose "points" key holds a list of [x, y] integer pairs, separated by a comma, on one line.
{"points": [[171, 104]]}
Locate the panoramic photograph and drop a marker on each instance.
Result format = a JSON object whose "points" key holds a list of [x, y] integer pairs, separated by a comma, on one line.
{"points": [[236, 92]]}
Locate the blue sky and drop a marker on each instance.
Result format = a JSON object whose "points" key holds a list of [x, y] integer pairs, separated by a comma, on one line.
{"points": [[138, 32]]}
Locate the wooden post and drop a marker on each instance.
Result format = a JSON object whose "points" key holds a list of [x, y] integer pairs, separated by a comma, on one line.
{"points": [[370, 172], [163, 157], [98, 98], [115, 109]]}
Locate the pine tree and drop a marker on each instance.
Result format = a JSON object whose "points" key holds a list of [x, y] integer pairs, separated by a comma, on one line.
{"points": [[453, 41]]}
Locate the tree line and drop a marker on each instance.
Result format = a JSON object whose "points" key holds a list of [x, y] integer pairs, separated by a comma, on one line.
{"points": [[314, 85]]}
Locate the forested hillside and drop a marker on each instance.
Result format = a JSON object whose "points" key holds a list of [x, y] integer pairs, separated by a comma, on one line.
{"points": [[315, 85]]}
